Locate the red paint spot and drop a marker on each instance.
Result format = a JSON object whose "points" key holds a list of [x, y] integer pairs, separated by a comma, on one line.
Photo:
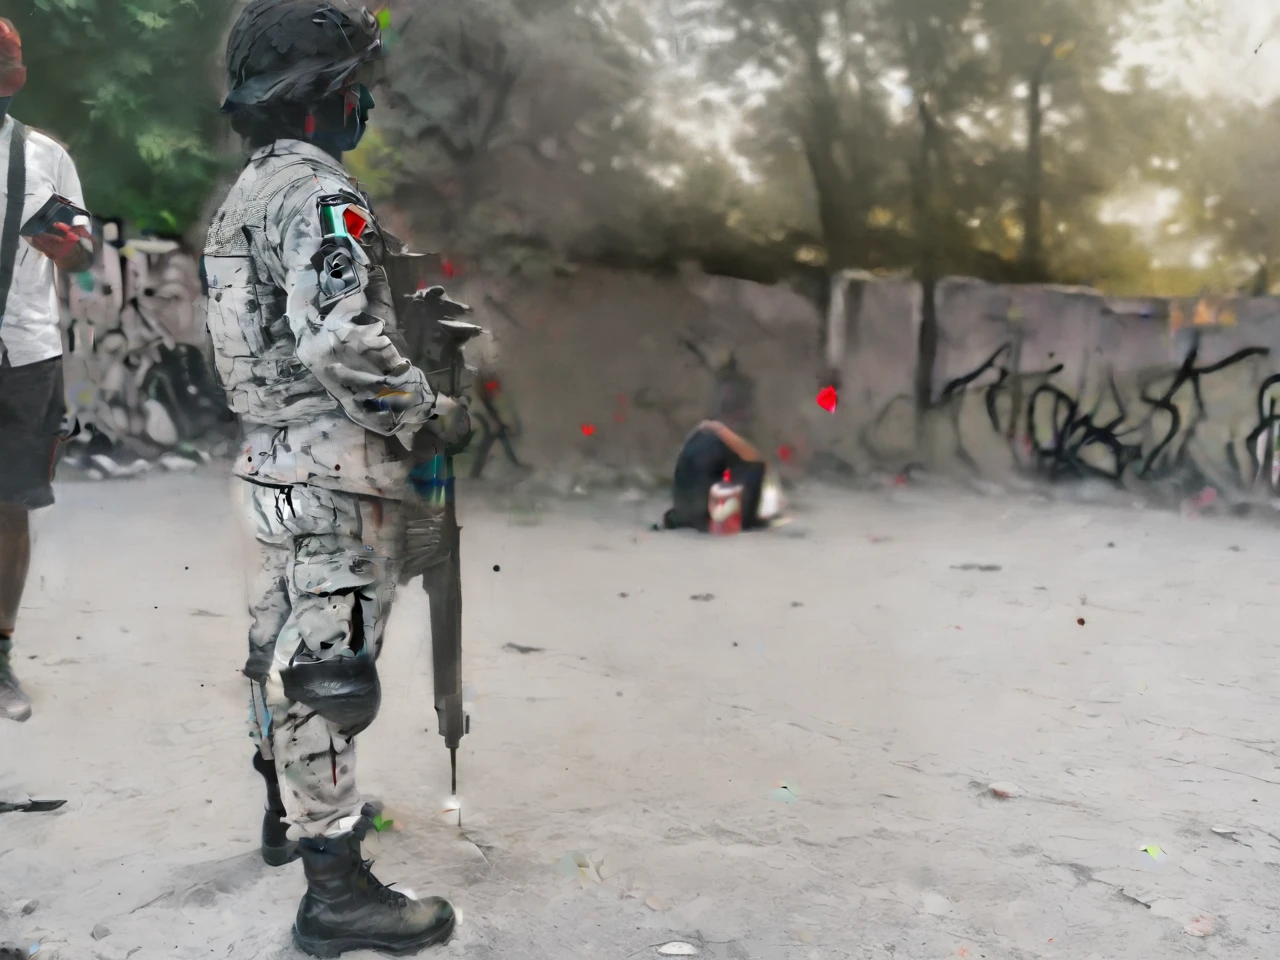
{"points": [[448, 268], [354, 222], [491, 386], [422, 284], [622, 399], [309, 125], [620, 417], [588, 429], [900, 480], [785, 453], [827, 399]]}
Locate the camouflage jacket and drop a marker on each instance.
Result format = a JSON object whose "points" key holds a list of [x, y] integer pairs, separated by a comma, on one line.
{"points": [[304, 331]]}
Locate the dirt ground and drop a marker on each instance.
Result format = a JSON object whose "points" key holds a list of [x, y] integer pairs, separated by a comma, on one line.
{"points": [[773, 747]]}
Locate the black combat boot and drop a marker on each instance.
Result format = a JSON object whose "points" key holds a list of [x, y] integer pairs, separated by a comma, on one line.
{"points": [[14, 704], [347, 908], [277, 848]]}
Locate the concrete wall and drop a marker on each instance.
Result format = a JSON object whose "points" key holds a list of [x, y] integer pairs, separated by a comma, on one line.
{"points": [[1046, 383], [630, 355], [140, 293], [1051, 383]]}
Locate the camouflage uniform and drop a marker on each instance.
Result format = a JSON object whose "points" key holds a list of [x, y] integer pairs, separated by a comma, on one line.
{"points": [[305, 344]]}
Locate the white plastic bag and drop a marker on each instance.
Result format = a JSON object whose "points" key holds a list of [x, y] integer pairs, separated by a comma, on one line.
{"points": [[772, 502]]}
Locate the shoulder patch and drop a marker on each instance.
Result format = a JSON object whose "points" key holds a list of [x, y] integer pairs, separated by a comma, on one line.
{"points": [[343, 215], [336, 269]]}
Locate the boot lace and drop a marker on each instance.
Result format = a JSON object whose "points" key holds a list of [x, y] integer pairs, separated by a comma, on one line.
{"points": [[382, 890]]}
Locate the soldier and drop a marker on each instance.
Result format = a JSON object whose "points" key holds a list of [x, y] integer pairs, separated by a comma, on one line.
{"points": [[307, 347]]}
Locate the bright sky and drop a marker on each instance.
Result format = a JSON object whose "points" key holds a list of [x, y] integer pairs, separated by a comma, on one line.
{"points": [[1209, 47], [1237, 54]]}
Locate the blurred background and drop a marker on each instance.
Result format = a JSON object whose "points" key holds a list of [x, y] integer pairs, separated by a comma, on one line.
{"points": [[626, 189]]}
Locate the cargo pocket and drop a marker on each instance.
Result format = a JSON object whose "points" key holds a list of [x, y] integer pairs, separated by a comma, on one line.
{"points": [[323, 571], [335, 595]]}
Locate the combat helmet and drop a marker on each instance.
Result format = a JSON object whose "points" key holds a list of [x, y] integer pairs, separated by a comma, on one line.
{"points": [[298, 52]]}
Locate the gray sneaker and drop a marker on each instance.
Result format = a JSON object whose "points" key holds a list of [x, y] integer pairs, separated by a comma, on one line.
{"points": [[14, 704]]}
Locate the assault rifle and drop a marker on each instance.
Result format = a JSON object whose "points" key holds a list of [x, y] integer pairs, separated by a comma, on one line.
{"points": [[434, 337]]}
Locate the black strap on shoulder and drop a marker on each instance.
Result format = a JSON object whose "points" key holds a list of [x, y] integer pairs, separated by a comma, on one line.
{"points": [[17, 193]]}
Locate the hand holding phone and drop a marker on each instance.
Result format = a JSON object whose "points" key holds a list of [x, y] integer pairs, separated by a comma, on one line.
{"points": [[60, 230], [61, 242]]}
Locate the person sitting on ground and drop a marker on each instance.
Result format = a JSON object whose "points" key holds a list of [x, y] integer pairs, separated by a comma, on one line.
{"points": [[710, 450]]}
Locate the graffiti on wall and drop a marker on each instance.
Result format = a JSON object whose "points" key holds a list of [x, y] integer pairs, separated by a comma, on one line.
{"points": [[136, 378], [1148, 435], [1183, 427], [1168, 398]]}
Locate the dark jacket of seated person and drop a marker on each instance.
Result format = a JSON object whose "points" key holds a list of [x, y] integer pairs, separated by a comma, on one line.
{"points": [[708, 452]]}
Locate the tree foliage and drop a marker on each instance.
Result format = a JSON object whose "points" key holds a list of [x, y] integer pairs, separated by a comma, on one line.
{"points": [[990, 131], [985, 137], [1237, 167], [132, 87], [513, 133]]}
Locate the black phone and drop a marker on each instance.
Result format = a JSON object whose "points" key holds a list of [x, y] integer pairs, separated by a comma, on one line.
{"points": [[55, 210]]}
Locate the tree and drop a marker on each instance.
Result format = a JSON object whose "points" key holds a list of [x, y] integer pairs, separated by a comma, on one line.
{"points": [[131, 86], [946, 74], [1084, 130], [807, 80], [1231, 193], [517, 132]]}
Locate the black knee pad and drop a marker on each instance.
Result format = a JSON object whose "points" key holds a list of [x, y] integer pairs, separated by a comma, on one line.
{"points": [[343, 690]]}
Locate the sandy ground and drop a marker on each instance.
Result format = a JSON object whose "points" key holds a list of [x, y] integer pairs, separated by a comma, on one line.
{"points": [[677, 683]]}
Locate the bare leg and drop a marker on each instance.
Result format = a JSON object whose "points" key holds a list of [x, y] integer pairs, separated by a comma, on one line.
{"points": [[15, 561]]}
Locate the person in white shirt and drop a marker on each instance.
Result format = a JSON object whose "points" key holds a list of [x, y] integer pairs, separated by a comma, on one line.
{"points": [[33, 167]]}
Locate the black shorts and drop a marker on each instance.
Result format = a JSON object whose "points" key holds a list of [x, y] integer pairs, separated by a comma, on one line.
{"points": [[32, 407]]}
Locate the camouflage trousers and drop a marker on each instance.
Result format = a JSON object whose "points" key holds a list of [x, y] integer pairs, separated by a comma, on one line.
{"points": [[324, 560]]}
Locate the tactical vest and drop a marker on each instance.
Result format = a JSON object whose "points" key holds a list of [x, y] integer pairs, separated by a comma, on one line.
{"points": [[295, 431]]}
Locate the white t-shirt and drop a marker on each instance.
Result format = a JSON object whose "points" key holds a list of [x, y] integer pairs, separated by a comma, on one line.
{"points": [[29, 330]]}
